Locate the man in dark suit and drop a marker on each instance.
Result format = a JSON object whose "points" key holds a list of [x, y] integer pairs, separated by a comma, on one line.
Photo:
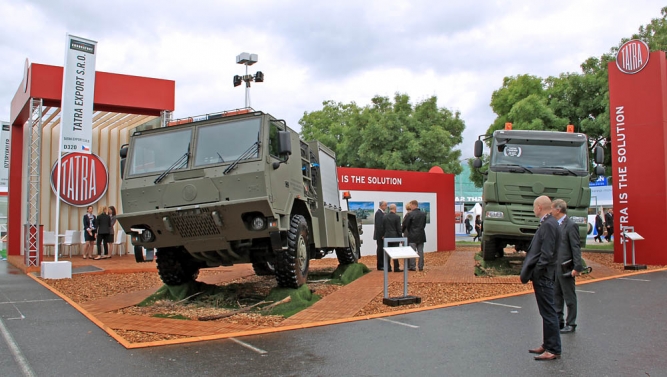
{"points": [[414, 224], [378, 234], [599, 227], [568, 250], [609, 223], [540, 267], [392, 229]]}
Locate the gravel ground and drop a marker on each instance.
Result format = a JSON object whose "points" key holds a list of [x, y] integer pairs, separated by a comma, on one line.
{"points": [[83, 288]]}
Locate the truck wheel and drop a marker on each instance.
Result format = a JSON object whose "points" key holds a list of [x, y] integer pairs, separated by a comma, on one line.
{"points": [[139, 254], [176, 266], [292, 264], [263, 268], [489, 250], [350, 254]]}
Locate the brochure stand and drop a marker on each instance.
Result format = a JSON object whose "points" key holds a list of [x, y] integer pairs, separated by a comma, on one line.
{"points": [[628, 235], [398, 252]]}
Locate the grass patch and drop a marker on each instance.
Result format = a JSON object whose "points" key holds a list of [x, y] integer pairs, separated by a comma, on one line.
{"points": [[592, 245], [468, 243], [206, 295], [3, 253], [507, 265], [300, 299], [347, 273]]}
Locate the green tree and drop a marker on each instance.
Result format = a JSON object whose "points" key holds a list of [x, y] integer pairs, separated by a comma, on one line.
{"points": [[389, 134]]}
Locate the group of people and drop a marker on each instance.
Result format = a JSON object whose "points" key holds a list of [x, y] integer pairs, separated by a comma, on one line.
{"points": [[606, 225], [99, 229], [389, 225], [552, 263]]}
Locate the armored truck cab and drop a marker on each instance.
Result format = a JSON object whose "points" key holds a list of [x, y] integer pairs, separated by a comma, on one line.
{"points": [[234, 187]]}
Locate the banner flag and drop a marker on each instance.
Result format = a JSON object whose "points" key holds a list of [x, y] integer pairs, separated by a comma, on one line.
{"points": [[76, 118], [5, 136]]}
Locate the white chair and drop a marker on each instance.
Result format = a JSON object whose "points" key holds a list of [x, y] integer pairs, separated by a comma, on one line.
{"points": [[72, 239], [48, 240], [121, 240]]}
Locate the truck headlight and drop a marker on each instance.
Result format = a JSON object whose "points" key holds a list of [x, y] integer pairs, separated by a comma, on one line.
{"points": [[258, 223], [147, 235], [579, 220], [494, 215]]}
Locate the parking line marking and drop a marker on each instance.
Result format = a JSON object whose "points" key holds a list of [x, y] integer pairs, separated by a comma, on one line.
{"points": [[249, 346], [27, 301], [16, 351], [633, 279], [398, 323], [495, 303], [582, 291]]}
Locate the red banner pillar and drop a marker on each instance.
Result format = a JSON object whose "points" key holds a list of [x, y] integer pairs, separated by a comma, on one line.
{"points": [[638, 115]]}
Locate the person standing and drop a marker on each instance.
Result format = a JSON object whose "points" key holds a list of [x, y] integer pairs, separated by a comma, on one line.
{"points": [[609, 223], [112, 216], [89, 230], [392, 229], [569, 251], [478, 228], [540, 268], [414, 224], [103, 225], [378, 234], [599, 227], [468, 225]]}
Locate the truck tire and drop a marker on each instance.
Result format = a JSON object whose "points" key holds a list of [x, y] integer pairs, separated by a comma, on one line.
{"points": [[176, 266], [350, 254], [292, 264], [489, 249]]}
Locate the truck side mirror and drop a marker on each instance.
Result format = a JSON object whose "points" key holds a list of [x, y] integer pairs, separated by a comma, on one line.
{"points": [[284, 147], [477, 163], [284, 143], [599, 170], [599, 155], [123, 156], [479, 148]]}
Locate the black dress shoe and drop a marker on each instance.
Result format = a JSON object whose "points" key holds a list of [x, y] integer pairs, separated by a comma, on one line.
{"points": [[568, 329], [412, 269], [398, 270]]}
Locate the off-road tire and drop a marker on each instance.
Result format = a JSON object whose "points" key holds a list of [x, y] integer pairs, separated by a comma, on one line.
{"points": [[489, 249], [292, 264], [350, 254], [176, 266], [139, 254]]}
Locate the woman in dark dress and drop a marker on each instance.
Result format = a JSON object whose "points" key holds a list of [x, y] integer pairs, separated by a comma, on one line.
{"points": [[89, 230], [112, 215], [103, 225]]}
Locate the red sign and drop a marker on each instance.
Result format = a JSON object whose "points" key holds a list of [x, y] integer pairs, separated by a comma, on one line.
{"points": [[84, 179], [632, 57]]}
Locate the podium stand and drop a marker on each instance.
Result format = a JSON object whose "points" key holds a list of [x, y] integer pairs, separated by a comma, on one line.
{"points": [[628, 233], [398, 252]]}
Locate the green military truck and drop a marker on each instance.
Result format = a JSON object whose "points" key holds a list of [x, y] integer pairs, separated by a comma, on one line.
{"points": [[234, 187], [524, 165]]}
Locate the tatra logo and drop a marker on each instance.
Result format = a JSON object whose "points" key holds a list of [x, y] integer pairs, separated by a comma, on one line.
{"points": [[84, 179], [632, 57]]}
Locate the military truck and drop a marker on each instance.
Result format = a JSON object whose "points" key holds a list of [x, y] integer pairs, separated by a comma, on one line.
{"points": [[524, 165], [234, 187]]}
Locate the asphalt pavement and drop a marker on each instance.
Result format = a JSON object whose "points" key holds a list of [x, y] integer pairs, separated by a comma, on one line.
{"points": [[621, 332]]}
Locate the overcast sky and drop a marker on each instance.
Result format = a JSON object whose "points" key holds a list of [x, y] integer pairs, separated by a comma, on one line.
{"points": [[312, 51]]}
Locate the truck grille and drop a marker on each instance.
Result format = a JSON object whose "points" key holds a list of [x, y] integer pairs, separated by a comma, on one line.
{"points": [[195, 225], [523, 217]]}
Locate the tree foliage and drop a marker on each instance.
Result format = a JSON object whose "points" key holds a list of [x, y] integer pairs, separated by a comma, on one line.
{"points": [[580, 99], [388, 134]]}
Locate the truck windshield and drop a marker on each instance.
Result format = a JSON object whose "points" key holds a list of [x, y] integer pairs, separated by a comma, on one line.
{"points": [[226, 142], [153, 153], [540, 156]]}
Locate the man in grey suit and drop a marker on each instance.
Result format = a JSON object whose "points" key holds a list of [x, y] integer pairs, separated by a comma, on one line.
{"points": [[378, 235], [540, 267], [392, 229], [568, 250]]}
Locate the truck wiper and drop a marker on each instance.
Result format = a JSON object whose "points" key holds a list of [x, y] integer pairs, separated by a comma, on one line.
{"points": [[247, 154], [182, 161], [565, 172], [522, 169]]}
